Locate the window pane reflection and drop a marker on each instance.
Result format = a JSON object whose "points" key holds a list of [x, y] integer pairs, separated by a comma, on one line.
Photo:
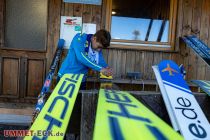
{"points": [[137, 22]]}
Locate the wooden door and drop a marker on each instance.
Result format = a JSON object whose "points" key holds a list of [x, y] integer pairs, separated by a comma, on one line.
{"points": [[23, 32]]}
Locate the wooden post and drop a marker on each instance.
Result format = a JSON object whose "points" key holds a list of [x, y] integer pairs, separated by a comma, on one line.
{"points": [[88, 114]]}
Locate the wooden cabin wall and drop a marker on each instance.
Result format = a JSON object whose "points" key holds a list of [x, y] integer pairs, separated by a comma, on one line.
{"points": [[193, 17], [57, 8]]}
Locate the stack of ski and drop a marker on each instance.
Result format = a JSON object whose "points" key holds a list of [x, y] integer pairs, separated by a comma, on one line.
{"points": [[48, 80], [184, 111], [200, 48], [120, 116]]}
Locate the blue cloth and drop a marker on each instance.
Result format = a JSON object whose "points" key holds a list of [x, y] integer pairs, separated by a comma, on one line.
{"points": [[77, 60]]}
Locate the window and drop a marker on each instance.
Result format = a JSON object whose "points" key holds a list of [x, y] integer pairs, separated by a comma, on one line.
{"points": [[147, 24], [26, 24]]}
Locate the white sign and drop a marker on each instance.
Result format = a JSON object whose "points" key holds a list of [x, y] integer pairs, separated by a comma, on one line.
{"points": [[70, 26], [89, 28]]}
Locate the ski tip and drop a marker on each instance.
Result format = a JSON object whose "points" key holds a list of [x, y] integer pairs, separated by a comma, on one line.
{"points": [[61, 43]]}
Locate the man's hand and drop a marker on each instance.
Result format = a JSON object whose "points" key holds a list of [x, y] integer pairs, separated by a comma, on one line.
{"points": [[107, 71]]}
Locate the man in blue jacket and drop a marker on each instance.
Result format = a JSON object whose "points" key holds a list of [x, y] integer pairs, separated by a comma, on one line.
{"points": [[86, 52]]}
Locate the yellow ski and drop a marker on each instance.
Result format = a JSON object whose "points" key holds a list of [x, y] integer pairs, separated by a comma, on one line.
{"points": [[53, 120], [121, 117]]}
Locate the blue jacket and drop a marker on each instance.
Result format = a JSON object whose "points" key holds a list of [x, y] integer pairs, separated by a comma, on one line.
{"points": [[77, 60]]}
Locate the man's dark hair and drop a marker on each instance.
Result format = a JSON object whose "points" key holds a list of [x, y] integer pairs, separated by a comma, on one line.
{"points": [[103, 37]]}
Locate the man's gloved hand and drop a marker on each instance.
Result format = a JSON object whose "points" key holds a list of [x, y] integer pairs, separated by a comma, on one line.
{"points": [[107, 71]]}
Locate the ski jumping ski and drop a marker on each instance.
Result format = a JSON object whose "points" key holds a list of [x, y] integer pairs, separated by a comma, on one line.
{"points": [[184, 111], [55, 115], [46, 87], [203, 84], [200, 48], [200, 44], [120, 116]]}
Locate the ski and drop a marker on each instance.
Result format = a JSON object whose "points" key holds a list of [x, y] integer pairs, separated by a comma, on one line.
{"points": [[53, 119], [186, 113], [201, 45], [47, 83], [203, 84], [120, 116], [198, 47]]}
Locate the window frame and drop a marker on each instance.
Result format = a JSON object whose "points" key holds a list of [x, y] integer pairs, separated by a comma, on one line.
{"points": [[143, 45], [3, 44]]}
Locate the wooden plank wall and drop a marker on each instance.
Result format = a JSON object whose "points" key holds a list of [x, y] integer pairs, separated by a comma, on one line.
{"points": [[57, 8], [1, 22], [193, 18]]}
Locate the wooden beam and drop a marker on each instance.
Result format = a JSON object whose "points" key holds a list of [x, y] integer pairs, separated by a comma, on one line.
{"points": [[149, 29], [88, 114], [162, 29], [1, 83]]}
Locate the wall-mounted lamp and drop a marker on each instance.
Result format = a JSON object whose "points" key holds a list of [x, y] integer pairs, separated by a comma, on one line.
{"points": [[113, 12]]}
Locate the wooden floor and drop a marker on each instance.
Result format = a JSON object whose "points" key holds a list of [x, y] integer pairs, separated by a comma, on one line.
{"points": [[16, 114], [12, 119]]}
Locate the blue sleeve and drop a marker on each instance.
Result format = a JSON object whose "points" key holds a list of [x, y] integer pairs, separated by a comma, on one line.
{"points": [[78, 46], [102, 62]]}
